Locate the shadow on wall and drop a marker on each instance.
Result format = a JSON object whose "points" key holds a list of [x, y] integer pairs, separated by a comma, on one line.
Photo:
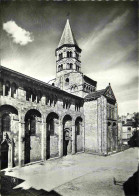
{"points": [[131, 185], [8, 183]]}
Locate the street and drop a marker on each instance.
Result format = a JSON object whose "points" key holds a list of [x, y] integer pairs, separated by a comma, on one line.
{"points": [[80, 174]]}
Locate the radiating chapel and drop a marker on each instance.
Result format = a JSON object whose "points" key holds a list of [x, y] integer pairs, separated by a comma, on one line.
{"points": [[68, 115]]}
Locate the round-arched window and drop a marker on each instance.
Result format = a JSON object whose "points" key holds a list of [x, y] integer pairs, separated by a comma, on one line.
{"points": [[67, 80]]}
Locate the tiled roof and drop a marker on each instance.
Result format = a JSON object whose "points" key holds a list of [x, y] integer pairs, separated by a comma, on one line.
{"points": [[95, 94], [89, 80], [107, 92], [67, 36], [128, 123]]}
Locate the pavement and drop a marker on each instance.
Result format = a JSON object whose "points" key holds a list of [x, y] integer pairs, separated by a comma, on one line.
{"points": [[80, 174]]}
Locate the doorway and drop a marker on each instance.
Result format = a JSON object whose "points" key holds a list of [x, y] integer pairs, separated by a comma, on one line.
{"points": [[4, 155], [67, 142]]}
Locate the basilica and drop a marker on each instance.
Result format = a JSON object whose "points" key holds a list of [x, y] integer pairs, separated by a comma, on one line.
{"points": [[68, 115]]}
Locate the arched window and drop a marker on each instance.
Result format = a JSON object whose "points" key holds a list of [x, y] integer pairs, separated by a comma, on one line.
{"points": [[77, 56], [28, 94], [60, 56], [109, 124], [78, 125], [67, 80], [13, 89], [68, 66], [39, 96], [61, 67], [7, 88], [53, 84], [71, 65], [69, 54], [5, 122], [77, 68]]}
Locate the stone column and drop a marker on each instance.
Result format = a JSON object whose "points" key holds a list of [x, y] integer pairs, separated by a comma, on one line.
{"points": [[3, 89], [73, 138], [12, 147], [10, 91], [60, 138], [10, 156], [43, 100], [36, 99], [111, 137], [43, 139], [31, 98], [16, 94], [20, 141], [83, 135]]}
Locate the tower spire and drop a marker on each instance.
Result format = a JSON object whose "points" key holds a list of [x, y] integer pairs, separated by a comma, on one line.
{"points": [[67, 36]]}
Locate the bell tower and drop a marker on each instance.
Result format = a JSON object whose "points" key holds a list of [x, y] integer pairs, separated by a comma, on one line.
{"points": [[68, 66], [67, 53]]}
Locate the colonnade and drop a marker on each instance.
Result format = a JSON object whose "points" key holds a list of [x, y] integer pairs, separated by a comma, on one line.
{"points": [[20, 145]]}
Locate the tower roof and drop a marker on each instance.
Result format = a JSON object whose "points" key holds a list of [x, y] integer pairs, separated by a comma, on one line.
{"points": [[67, 36]]}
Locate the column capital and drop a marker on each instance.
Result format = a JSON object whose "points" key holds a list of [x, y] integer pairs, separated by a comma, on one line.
{"points": [[21, 117], [60, 121], [73, 122], [3, 89]]}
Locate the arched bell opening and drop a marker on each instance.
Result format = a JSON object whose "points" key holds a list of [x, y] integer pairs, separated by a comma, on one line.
{"points": [[30, 132], [52, 135], [67, 135]]}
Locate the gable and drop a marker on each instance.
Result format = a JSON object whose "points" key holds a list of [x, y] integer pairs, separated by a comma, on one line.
{"points": [[109, 93]]}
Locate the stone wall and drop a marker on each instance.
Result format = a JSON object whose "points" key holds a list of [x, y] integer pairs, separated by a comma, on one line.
{"points": [[38, 142], [90, 111], [79, 143]]}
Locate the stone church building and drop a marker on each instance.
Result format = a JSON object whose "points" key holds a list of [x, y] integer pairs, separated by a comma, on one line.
{"points": [[68, 115]]}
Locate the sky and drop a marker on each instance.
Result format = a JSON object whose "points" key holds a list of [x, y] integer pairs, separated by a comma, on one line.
{"points": [[105, 31]]}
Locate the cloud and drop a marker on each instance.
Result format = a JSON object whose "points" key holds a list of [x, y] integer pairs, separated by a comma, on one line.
{"points": [[19, 35]]}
